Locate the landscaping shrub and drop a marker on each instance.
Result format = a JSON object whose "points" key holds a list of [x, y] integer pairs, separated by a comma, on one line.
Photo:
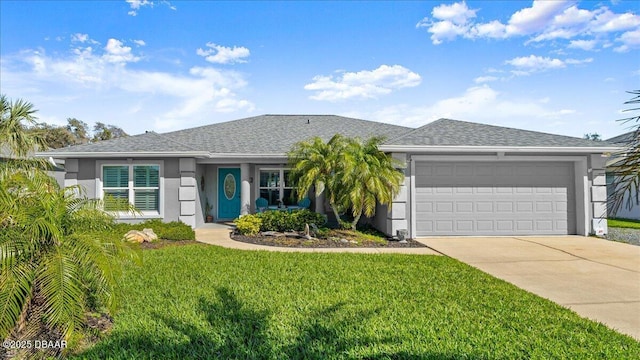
{"points": [[302, 217], [248, 224], [174, 230], [275, 221], [287, 221]]}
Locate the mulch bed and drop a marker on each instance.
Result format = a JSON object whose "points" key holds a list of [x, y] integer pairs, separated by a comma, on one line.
{"points": [[282, 241]]}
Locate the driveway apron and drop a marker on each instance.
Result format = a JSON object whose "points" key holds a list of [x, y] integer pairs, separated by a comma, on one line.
{"points": [[596, 278]]}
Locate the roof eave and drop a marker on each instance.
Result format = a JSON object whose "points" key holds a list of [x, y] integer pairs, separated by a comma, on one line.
{"points": [[521, 149], [112, 154]]}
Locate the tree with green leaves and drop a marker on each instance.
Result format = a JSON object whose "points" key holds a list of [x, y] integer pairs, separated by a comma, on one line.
{"points": [[369, 176], [79, 130], [354, 175], [17, 117], [54, 267], [106, 132], [592, 137], [317, 164], [626, 183]]}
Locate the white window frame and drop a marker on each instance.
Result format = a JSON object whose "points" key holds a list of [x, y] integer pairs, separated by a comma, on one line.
{"points": [[280, 187], [100, 164]]}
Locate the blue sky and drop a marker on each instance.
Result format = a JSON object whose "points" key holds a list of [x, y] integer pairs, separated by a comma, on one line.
{"points": [[553, 66]]}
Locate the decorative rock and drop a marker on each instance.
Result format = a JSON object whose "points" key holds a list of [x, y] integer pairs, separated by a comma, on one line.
{"points": [[136, 236], [344, 241], [152, 235]]}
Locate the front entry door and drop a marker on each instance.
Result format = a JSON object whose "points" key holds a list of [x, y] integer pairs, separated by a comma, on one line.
{"points": [[228, 193]]}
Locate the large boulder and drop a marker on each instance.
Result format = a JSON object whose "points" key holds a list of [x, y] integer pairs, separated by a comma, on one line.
{"points": [[152, 236], [146, 235]]}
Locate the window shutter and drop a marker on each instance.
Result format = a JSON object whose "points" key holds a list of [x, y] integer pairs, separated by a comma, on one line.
{"points": [[115, 176]]}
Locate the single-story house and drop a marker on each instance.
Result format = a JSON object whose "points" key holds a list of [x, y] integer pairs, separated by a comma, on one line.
{"points": [[623, 211], [461, 178]]}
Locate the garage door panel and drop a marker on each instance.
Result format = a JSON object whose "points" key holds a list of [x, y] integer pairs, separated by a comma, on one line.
{"points": [[495, 199]]}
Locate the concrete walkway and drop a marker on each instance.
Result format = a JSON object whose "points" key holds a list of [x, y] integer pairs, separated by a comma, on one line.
{"points": [[596, 278], [220, 236]]}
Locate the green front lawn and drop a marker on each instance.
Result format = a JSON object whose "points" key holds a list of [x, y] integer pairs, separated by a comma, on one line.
{"points": [[206, 302], [623, 223]]}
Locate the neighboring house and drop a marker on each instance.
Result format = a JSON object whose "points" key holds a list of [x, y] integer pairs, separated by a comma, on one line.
{"points": [[623, 212], [461, 178], [57, 172]]}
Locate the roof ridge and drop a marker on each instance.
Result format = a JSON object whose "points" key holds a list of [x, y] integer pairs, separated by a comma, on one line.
{"points": [[414, 130]]}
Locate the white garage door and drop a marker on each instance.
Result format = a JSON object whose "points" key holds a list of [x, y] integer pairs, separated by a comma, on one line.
{"points": [[494, 198]]}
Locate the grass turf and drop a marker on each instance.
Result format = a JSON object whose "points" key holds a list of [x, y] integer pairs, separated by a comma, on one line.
{"points": [[206, 302], [624, 223]]}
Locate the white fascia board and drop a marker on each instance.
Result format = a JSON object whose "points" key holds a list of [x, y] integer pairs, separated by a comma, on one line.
{"points": [[141, 154], [522, 149]]}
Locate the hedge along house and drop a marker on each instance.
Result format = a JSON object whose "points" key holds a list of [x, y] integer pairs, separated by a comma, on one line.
{"points": [[461, 178]]}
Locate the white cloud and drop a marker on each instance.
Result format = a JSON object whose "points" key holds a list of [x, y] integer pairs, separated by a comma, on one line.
{"points": [[533, 62], [526, 65], [477, 103], [136, 5], [79, 37], [630, 40], [484, 79], [116, 52], [583, 44], [543, 21], [87, 76], [362, 84], [224, 55], [139, 42], [536, 18]]}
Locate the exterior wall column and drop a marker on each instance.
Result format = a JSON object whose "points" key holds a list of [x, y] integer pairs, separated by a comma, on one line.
{"points": [[597, 180], [245, 189], [188, 191], [397, 218]]}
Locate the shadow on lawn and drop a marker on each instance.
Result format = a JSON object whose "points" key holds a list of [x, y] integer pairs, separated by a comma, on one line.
{"points": [[235, 331]]}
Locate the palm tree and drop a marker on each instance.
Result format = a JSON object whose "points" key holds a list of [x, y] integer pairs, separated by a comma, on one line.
{"points": [[369, 176], [52, 265], [315, 163], [13, 116], [627, 169]]}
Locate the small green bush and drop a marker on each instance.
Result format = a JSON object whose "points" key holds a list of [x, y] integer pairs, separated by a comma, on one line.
{"points": [[287, 221], [174, 230], [248, 224]]}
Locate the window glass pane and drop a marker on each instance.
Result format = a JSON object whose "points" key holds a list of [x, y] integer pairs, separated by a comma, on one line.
{"points": [[272, 195], [146, 200], [288, 197], [269, 178], [146, 176], [115, 200], [287, 181], [115, 176]]}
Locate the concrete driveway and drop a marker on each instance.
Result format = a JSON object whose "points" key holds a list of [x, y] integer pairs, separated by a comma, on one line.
{"points": [[596, 278]]}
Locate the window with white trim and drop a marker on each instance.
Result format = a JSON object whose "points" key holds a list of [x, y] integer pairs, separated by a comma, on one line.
{"points": [[135, 184], [275, 187]]}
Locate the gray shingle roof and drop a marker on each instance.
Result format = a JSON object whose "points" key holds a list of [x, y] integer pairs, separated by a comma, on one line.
{"points": [[275, 134], [447, 132], [622, 139], [147, 142]]}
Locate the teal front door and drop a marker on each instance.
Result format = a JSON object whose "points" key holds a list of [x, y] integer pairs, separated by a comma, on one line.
{"points": [[228, 193]]}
